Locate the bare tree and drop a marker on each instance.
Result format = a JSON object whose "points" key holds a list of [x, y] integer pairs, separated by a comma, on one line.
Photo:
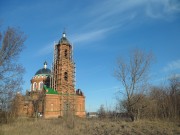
{"points": [[174, 96], [133, 74], [38, 102], [102, 112], [11, 44], [165, 100]]}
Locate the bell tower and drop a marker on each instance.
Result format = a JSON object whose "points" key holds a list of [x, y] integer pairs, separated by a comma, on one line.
{"points": [[63, 75], [64, 67]]}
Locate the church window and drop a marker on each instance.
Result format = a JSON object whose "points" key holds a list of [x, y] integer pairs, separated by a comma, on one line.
{"points": [[65, 76], [40, 85], [34, 86], [65, 53]]}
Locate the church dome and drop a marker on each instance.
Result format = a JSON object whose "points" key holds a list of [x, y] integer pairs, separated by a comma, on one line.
{"points": [[64, 39], [45, 70]]}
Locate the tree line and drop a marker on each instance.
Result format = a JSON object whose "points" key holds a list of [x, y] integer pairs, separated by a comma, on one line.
{"points": [[141, 99]]}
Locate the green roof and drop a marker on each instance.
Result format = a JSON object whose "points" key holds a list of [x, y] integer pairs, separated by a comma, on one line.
{"points": [[50, 90]]}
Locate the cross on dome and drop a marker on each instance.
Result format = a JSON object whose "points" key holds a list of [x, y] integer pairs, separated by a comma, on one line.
{"points": [[45, 65]]}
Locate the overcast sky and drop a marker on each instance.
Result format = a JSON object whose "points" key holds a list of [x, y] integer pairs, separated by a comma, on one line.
{"points": [[100, 31]]}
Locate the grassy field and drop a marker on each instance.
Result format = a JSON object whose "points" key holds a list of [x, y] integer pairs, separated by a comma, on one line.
{"points": [[88, 127]]}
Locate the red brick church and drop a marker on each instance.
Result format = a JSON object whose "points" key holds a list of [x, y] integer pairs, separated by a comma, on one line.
{"points": [[53, 93]]}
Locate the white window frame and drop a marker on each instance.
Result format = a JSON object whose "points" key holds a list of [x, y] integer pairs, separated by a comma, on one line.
{"points": [[40, 85], [34, 84]]}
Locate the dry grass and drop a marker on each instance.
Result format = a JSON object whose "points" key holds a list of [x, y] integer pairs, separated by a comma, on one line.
{"points": [[89, 127]]}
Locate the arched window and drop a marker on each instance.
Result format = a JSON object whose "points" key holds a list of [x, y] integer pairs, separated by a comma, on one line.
{"points": [[65, 53], [65, 76], [41, 85], [34, 86]]}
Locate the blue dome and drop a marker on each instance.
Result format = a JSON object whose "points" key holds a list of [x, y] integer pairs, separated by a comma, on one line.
{"points": [[43, 71]]}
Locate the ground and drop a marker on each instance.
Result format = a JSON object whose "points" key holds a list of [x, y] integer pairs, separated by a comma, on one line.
{"points": [[76, 126]]}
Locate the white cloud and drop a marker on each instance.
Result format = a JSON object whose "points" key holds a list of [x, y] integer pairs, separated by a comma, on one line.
{"points": [[104, 15], [91, 35], [162, 8], [106, 10], [46, 50], [98, 18], [173, 76], [174, 65]]}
